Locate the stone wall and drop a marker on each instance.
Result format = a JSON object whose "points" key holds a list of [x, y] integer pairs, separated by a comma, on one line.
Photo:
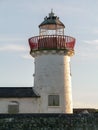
{"points": [[49, 122]]}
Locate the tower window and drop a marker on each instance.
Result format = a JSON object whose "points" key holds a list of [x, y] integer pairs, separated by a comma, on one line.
{"points": [[53, 100], [13, 107]]}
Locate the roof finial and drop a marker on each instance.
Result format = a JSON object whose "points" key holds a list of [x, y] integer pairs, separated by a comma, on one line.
{"points": [[51, 10], [51, 14]]}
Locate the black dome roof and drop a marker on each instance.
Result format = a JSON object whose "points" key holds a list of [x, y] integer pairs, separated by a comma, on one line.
{"points": [[51, 20]]}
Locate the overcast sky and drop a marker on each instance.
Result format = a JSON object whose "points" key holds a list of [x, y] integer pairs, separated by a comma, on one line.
{"points": [[19, 20]]}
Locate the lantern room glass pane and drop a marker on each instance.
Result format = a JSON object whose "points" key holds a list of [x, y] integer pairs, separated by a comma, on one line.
{"points": [[52, 32]]}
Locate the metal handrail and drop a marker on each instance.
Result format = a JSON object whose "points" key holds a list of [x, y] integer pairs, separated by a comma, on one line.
{"points": [[51, 42]]}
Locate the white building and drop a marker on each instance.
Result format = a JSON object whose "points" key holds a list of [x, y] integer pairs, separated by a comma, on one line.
{"points": [[52, 51], [18, 100], [52, 79]]}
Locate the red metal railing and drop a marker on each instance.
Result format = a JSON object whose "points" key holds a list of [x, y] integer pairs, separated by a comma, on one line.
{"points": [[47, 42]]}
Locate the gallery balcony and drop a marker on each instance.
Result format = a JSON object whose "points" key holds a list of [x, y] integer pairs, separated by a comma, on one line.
{"points": [[52, 43]]}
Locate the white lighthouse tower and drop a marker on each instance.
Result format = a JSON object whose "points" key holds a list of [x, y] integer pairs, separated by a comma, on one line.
{"points": [[52, 79]]}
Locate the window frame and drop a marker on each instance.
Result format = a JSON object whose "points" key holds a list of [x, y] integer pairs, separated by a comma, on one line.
{"points": [[53, 100], [13, 107]]}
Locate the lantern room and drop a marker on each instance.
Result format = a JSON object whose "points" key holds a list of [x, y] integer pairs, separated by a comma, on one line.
{"points": [[51, 38], [51, 26]]}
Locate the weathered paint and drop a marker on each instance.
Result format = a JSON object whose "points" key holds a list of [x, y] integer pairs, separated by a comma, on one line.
{"points": [[52, 76]]}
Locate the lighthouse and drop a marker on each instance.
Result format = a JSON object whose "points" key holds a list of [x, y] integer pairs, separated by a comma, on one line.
{"points": [[52, 51]]}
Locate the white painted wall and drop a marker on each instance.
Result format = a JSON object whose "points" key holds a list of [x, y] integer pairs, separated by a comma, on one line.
{"points": [[26, 105], [52, 76]]}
